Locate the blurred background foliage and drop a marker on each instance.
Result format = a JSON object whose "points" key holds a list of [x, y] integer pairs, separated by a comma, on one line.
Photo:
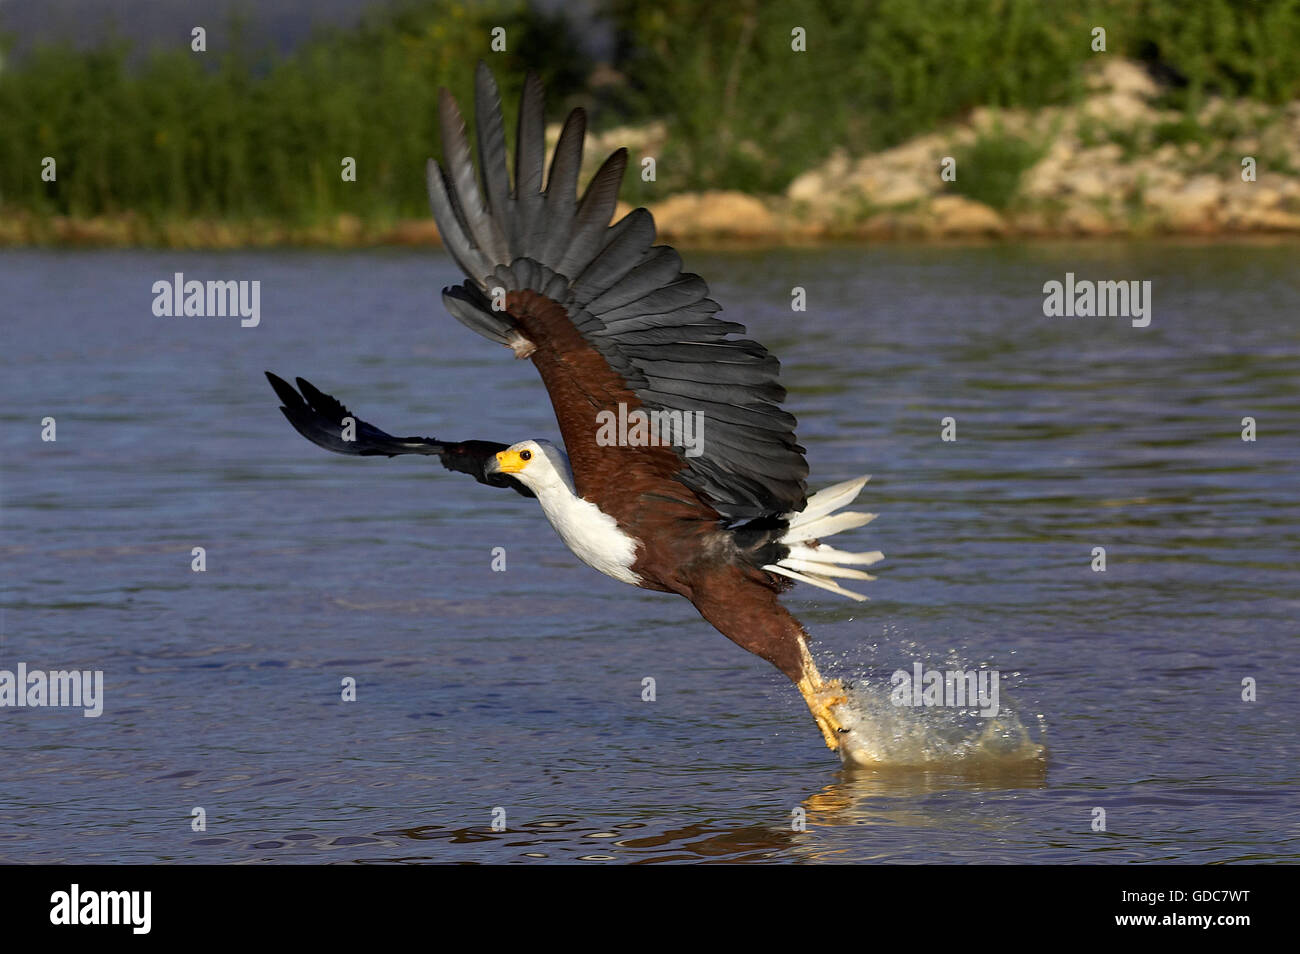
{"points": [[241, 131]]}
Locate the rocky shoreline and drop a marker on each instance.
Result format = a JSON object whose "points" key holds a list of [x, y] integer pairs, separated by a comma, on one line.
{"points": [[1113, 164]]}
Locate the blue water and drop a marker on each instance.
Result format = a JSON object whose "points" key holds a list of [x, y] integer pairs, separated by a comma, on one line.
{"points": [[522, 690]]}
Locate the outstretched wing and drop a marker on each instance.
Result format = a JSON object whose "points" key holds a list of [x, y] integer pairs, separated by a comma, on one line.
{"points": [[608, 317], [320, 418]]}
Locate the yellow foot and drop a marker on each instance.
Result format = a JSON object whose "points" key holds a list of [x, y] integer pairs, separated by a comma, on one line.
{"points": [[821, 698]]}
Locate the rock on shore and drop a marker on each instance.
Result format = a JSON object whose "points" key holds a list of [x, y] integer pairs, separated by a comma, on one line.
{"points": [[1115, 163]]}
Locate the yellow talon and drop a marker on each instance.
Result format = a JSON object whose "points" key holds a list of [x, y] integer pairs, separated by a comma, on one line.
{"points": [[821, 698]]}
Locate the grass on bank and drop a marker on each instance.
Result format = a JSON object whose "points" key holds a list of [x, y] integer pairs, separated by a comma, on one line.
{"points": [[242, 135]]}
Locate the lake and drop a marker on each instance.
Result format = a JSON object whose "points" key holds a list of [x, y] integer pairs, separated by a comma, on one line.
{"points": [[516, 695]]}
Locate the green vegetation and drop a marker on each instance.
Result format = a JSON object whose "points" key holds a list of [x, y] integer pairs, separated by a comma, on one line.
{"points": [[1237, 47], [748, 113], [989, 170], [1180, 132], [240, 134], [744, 113]]}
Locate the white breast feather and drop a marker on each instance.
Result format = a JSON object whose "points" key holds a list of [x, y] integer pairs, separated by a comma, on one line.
{"points": [[593, 535]]}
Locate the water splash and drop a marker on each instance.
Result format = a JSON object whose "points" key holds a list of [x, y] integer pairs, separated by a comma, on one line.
{"points": [[885, 735]]}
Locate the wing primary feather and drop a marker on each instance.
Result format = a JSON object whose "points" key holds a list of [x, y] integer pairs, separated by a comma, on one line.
{"points": [[593, 214], [562, 189], [530, 163], [454, 237], [491, 143], [484, 229]]}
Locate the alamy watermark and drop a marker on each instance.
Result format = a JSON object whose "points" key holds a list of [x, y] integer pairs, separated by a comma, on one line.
{"points": [[958, 688], [637, 427], [1088, 299], [59, 688], [129, 908], [211, 299]]}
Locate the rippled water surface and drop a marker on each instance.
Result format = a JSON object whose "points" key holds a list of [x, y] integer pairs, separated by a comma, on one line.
{"points": [[522, 690]]}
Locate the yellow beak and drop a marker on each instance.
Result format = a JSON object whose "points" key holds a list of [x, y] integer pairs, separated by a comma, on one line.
{"points": [[509, 462]]}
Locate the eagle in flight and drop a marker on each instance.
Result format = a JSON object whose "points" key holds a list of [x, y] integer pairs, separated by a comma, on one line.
{"points": [[615, 328]]}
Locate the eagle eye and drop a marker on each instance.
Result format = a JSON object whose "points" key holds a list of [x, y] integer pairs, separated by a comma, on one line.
{"points": [[525, 455]]}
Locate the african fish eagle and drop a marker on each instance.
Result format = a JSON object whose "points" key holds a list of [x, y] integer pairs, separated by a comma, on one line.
{"points": [[609, 319]]}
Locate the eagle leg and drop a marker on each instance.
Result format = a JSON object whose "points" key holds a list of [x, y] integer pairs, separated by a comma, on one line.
{"points": [[749, 615], [821, 696]]}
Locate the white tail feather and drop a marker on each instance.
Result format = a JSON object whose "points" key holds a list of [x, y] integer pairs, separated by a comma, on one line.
{"points": [[821, 581], [828, 499], [810, 561], [824, 554], [816, 568], [828, 526]]}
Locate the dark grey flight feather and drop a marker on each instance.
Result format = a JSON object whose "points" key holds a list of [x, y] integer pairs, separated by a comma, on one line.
{"points": [[671, 335], [492, 145], [530, 157], [478, 224], [318, 417], [661, 266], [562, 189], [617, 261], [451, 224], [591, 221], [653, 323]]}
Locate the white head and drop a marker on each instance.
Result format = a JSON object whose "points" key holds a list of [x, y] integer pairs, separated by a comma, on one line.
{"points": [[538, 465]]}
